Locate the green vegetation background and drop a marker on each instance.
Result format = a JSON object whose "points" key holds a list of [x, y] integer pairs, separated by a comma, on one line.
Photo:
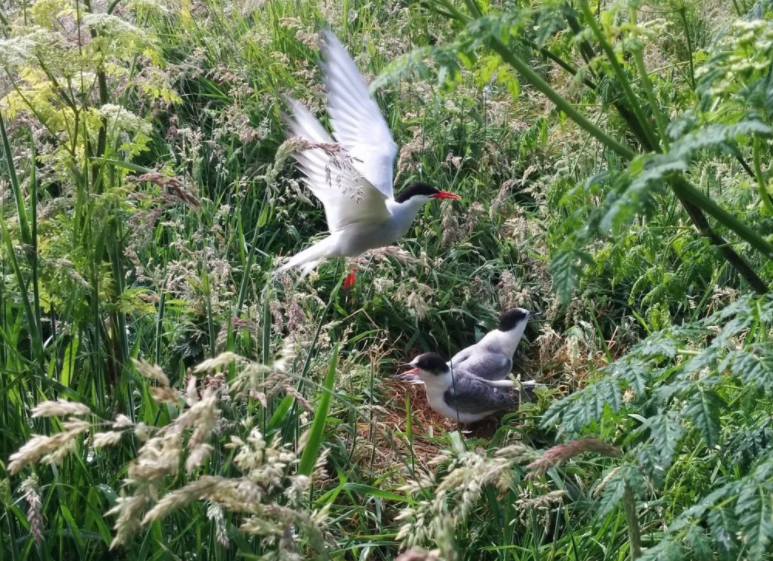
{"points": [[613, 159]]}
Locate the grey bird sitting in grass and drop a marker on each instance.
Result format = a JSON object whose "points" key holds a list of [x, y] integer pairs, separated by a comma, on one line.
{"points": [[491, 358], [459, 395], [352, 175]]}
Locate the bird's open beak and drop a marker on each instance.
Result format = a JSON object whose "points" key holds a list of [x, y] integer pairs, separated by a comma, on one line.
{"points": [[410, 376], [446, 195]]}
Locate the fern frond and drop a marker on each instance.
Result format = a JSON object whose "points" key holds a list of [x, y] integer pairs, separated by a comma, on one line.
{"points": [[703, 409]]}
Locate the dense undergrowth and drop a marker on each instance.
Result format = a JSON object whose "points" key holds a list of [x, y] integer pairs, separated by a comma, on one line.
{"points": [[613, 159]]}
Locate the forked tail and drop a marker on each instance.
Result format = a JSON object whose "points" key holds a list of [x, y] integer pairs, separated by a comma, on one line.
{"points": [[529, 386], [307, 259]]}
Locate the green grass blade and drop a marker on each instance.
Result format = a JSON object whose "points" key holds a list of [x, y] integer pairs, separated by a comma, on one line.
{"points": [[314, 442], [15, 185]]}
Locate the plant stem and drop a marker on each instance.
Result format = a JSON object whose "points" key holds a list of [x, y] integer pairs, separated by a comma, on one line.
{"points": [[694, 202], [536, 80], [4, 24], [453, 11], [647, 85], [761, 183], [634, 532], [559, 61], [624, 83], [683, 13], [701, 224]]}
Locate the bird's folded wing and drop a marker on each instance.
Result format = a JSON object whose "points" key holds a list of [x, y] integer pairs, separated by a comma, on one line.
{"points": [[488, 365], [469, 395], [462, 355], [357, 121], [349, 198]]}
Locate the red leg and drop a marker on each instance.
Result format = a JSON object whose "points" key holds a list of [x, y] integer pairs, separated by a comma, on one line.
{"points": [[349, 280]]}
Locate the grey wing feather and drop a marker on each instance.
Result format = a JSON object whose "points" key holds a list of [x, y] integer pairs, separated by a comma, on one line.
{"points": [[491, 366], [462, 355], [469, 395]]}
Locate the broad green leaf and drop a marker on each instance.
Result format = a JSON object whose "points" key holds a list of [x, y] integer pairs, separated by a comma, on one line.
{"points": [[68, 363]]}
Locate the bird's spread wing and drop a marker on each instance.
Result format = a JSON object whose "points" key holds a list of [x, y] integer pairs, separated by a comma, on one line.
{"points": [[488, 365], [357, 122], [469, 395], [348, 197]]}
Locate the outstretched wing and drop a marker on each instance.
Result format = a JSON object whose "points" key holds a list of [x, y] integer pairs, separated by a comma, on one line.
{"points": [[469, 395], [348, 197], [358, 124]]}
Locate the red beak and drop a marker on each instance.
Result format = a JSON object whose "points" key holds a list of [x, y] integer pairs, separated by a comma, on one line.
{"points": [[412, 371], [445, 195]]}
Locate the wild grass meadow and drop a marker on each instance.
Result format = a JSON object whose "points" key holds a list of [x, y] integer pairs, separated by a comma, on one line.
{"points": [[164, 397]]}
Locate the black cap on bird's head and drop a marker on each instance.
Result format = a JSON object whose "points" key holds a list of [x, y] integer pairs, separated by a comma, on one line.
{"points": [[432, 363], [513, 317], [419, 189]]}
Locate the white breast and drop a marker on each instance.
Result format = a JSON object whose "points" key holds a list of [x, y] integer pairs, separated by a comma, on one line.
{"points": [[504, 342]]}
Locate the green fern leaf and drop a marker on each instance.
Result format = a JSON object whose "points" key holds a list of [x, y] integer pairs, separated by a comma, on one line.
{"points": [[724, 528], [732, 329], [703, 410], [612, 496], [614, 487], [666, 430], [755, 519], [636, 374], [715, 136], [706, 358], [741, 307], [638, 196], [658, 345], [746, 446], [699, 544], [753, 365], [566, 269], [667, 550], [584, 408], [415, 64]]}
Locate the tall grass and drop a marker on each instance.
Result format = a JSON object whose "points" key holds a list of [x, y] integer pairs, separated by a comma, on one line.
{"points": [[610, 177]]}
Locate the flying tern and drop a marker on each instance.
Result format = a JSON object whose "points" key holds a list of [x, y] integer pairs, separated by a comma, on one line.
{"points": [[352, 175]]}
